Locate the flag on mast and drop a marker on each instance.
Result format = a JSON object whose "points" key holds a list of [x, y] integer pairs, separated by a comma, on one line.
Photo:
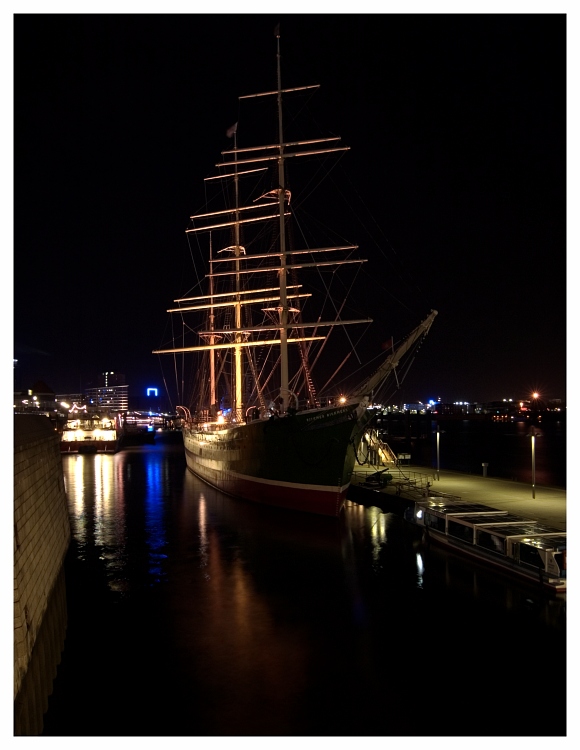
{"points": [[232, 130]]}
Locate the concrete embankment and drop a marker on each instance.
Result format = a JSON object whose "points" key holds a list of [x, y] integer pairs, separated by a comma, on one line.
{"points": [[548, 506], [41, 539]]}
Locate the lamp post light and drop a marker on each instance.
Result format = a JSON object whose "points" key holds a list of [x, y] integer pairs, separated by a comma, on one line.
{"points": [[438, 433], [534, 432], [533, 466]]}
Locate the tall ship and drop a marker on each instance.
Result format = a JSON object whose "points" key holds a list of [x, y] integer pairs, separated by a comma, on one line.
{"points": [[255, 425]]}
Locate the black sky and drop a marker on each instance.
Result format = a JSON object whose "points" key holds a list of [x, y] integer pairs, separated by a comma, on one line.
{"points": [[457, 125]]}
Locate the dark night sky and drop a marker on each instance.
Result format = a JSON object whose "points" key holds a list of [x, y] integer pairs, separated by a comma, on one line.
{"points": [[457, 125]]}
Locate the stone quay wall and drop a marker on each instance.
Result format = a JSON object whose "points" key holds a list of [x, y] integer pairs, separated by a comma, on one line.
{"points": [[41, 539]]}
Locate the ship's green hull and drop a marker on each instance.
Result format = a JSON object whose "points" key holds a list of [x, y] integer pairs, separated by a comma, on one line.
{"points": [[302, 461]]}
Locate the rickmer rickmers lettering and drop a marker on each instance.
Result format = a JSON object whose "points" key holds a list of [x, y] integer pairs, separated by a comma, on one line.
{"points": [[255, 426]]}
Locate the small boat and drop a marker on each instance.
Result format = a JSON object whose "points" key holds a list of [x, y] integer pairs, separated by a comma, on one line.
{"points": [[257, 427], [516, 545], [88, 431], [136, 428]]}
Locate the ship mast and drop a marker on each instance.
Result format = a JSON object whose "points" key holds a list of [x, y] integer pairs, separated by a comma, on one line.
{"points": [[238, 396], [212, 390], [284, 392], [392, 362], [246, 161]]}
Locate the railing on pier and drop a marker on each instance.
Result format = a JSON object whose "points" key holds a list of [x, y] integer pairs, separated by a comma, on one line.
{"points": [[403, 480], [420, 483]]}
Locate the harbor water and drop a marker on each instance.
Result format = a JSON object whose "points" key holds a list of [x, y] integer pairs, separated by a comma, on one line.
{"points": [[194, 614], [466, 444]]}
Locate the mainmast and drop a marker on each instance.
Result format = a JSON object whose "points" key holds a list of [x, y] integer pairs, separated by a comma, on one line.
{"points": [[284, 392]]}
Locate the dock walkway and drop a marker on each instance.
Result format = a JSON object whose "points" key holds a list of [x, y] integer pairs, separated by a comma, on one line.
{"points": [[548, 506]]}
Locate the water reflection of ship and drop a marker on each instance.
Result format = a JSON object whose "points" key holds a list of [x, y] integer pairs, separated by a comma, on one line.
{"points": [[274, 527], [325, 548], [263, 613]]}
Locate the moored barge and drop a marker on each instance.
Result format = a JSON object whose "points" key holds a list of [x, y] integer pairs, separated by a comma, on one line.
{"points": [[516, 545], [90, 432]]}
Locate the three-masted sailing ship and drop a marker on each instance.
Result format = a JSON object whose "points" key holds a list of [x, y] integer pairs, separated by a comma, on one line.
{"points": [[256, 427]]}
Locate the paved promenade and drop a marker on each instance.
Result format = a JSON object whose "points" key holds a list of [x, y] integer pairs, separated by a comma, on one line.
{"points": [[549, 505]]}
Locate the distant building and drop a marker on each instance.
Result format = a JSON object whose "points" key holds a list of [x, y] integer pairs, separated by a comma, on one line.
{"points": [[457, 407], [506, 406], [417, 408], [110, 379], [112, 393], [40, 399]]}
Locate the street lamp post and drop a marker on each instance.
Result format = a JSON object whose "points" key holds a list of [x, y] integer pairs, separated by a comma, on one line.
{"points": [[438, 435], [533, 466], [534, 432]]}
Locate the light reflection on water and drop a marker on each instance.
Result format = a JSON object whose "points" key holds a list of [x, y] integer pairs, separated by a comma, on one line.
{"points": [[97, 487], [241, 619], [203, 541]]}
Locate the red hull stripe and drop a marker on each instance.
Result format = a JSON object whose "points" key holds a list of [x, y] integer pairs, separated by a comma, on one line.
{"points": [[326, 501], [293, 485]]}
